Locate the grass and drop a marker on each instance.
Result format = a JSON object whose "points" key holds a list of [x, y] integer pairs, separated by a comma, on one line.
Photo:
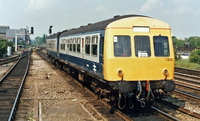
{"points": [[186, 64], [30, 117]]}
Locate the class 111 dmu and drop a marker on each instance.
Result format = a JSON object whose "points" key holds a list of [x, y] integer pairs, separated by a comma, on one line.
{"points": [[125, 59]]}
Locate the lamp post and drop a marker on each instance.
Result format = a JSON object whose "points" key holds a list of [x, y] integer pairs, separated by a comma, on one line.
{"points": [[15, 42]]}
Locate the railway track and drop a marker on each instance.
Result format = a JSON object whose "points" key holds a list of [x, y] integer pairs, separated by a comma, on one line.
{"points": [[187, 78], [99, 106], [188, 91], [9, 59], [165, 115], [181, 109], [11, 86], [187, 71], [187, 85]]}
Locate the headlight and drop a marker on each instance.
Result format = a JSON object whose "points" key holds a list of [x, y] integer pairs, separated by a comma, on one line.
{"points": [[120, 72], [165, 72]]}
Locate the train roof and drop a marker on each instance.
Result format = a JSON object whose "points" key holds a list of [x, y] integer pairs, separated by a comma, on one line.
{"points": [[91, 27], [52, 36], [96, 26]]}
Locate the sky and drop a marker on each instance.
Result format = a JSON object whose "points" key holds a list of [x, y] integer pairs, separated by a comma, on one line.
{"points": [[183, 16]]}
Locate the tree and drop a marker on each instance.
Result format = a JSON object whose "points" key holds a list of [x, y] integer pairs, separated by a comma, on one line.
{"points": [[3, 46], [40, 41], [178, 42], [195, 56], [44, 38], [194, 41]]}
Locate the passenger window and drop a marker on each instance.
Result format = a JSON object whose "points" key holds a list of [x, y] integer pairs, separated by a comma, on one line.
{"points": [[87, 45], [74, 44], [142, 46], [62, 47], [161, 46], [122, 46], [71, 41], [78, 45], [94, 45]]}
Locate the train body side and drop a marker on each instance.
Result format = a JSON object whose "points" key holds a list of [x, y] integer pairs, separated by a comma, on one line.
{"points": [[52, 47], [84, 62]]}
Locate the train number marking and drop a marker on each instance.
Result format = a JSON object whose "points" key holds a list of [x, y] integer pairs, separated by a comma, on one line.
{"points": [[168, 59]]}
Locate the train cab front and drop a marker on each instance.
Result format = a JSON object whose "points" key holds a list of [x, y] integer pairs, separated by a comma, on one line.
{"points": [[139, 59]]}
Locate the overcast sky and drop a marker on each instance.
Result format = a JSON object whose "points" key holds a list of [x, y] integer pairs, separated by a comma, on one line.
{"points": [[182, 15]]}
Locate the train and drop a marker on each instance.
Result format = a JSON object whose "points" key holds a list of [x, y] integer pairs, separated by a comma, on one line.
{"points": [[126, 59]]}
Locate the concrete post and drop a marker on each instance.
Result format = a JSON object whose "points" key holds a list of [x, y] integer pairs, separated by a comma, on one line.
{"points": [[15, 43]]}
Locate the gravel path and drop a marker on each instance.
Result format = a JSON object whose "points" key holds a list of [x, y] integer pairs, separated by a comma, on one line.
{"points": [[59, 100]]}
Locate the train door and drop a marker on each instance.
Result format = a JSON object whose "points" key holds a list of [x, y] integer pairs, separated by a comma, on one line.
{"points": [[58, 43], [101, 48]]}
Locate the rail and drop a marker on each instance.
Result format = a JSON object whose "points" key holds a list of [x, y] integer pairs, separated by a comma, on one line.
{"points": [[13, 112], [187, 71], [10, 69], [189, 86], [9, 59], [183, 110], [11, 87], [169, 117], [184, 94], [184, 79]]}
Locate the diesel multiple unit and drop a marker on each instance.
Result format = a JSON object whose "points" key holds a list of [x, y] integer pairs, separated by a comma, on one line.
{"points": [[127, 58]]}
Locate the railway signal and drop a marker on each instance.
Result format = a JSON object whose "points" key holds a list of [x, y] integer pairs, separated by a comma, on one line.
{"points": [[50, 29], [32, 30]]}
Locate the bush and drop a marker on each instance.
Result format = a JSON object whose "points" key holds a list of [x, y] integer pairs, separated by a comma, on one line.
{"points": [[3, 46], [176, 55], [195, 56]]}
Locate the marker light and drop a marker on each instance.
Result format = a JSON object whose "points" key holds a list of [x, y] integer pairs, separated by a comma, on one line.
{"points": [[120, 72], [165, 71]]}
